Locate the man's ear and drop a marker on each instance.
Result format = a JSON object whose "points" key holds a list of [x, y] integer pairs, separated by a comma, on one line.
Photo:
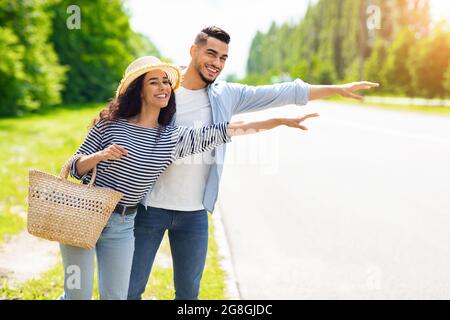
{"points": [[193, 50]]}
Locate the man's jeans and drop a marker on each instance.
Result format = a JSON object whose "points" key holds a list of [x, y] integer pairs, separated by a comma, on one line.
{"points": [[188, 236], [114, 251]]}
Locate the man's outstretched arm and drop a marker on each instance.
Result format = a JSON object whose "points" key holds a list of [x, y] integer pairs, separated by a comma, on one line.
{"points": [[345, 90], [254, 98]]}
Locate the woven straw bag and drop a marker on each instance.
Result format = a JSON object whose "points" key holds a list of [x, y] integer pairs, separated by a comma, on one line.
{"points": [[68, 212]]}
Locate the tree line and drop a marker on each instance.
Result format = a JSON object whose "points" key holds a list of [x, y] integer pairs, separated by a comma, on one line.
{"points": [[44, 62], [393, 42]]}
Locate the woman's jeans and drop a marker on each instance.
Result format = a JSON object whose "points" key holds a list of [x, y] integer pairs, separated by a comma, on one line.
{"points": [[188, 237], [114, 251]]}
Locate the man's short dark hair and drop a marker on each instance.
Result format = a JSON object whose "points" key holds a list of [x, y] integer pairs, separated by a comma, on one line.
{"points": [[214, 32]]}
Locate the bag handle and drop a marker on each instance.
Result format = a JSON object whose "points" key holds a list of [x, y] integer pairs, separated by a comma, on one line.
{"points": [[64, 174]]}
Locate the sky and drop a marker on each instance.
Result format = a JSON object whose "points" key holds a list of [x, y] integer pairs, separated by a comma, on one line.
{"points": [[173, 24]]}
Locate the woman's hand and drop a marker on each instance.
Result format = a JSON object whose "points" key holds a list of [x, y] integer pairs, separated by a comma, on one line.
{"points": [[241, 128], [295, 122], [87, 163], [113, 152]]}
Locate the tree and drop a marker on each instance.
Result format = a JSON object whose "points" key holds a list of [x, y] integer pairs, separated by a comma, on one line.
{"points": [[323, 71], [299, 70], [447, 81], [38, 77], [429, 63], [373, 66], [97, 53], [414, 14], [396, 72], [12, 75], [333, 43], [255, 54], [140, 45]]}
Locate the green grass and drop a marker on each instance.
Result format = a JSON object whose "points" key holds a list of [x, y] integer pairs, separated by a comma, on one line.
{"points": [[50, 286], [160, 287], [396, 107], [10, 224], [213, 281], [45, 141]]}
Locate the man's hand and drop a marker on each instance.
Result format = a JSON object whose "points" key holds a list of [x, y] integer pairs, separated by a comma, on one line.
{"points": [[346, 90]]}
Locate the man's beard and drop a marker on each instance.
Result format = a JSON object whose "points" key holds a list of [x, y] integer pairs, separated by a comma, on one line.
{"points": [[204, 79]]}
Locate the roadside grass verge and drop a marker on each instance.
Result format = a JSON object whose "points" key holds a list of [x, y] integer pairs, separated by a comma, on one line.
{"points": [[396, 107], [50, 285], [44, 142]]}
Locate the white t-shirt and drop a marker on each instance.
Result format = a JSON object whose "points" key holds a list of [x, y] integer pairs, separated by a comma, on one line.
{"points": [[181, 186]]}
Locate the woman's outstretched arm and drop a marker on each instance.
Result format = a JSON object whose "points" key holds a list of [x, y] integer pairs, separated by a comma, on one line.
{"points": [[242, 128], [196, 140]]}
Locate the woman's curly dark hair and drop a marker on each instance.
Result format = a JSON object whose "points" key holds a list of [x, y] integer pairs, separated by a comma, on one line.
{"points": [[129, 103]]}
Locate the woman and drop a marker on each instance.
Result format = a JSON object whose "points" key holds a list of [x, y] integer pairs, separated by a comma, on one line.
{"points": [[131, 143]]}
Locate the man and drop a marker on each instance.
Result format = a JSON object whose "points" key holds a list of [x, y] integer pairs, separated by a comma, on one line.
{"points": [[185, 192]]}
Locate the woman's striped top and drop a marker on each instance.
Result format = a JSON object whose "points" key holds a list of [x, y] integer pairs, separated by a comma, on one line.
{"points": [[150, 152]]}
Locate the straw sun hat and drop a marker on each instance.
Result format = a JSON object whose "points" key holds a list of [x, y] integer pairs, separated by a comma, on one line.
{"points": [[145, 64]]}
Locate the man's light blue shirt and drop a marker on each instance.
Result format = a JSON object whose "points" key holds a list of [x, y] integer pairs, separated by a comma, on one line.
{"points": [[228, 99]]}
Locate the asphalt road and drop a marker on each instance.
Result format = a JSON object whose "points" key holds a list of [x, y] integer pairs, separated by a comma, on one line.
{"points": [[358, 207]]}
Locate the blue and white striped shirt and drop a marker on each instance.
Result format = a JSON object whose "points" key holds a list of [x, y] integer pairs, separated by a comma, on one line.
{"points": [[150, 152]]}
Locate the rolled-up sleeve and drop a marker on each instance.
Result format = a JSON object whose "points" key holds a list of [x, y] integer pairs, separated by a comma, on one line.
{"points": [[302, 92], [256, 98], [197, 140]]}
